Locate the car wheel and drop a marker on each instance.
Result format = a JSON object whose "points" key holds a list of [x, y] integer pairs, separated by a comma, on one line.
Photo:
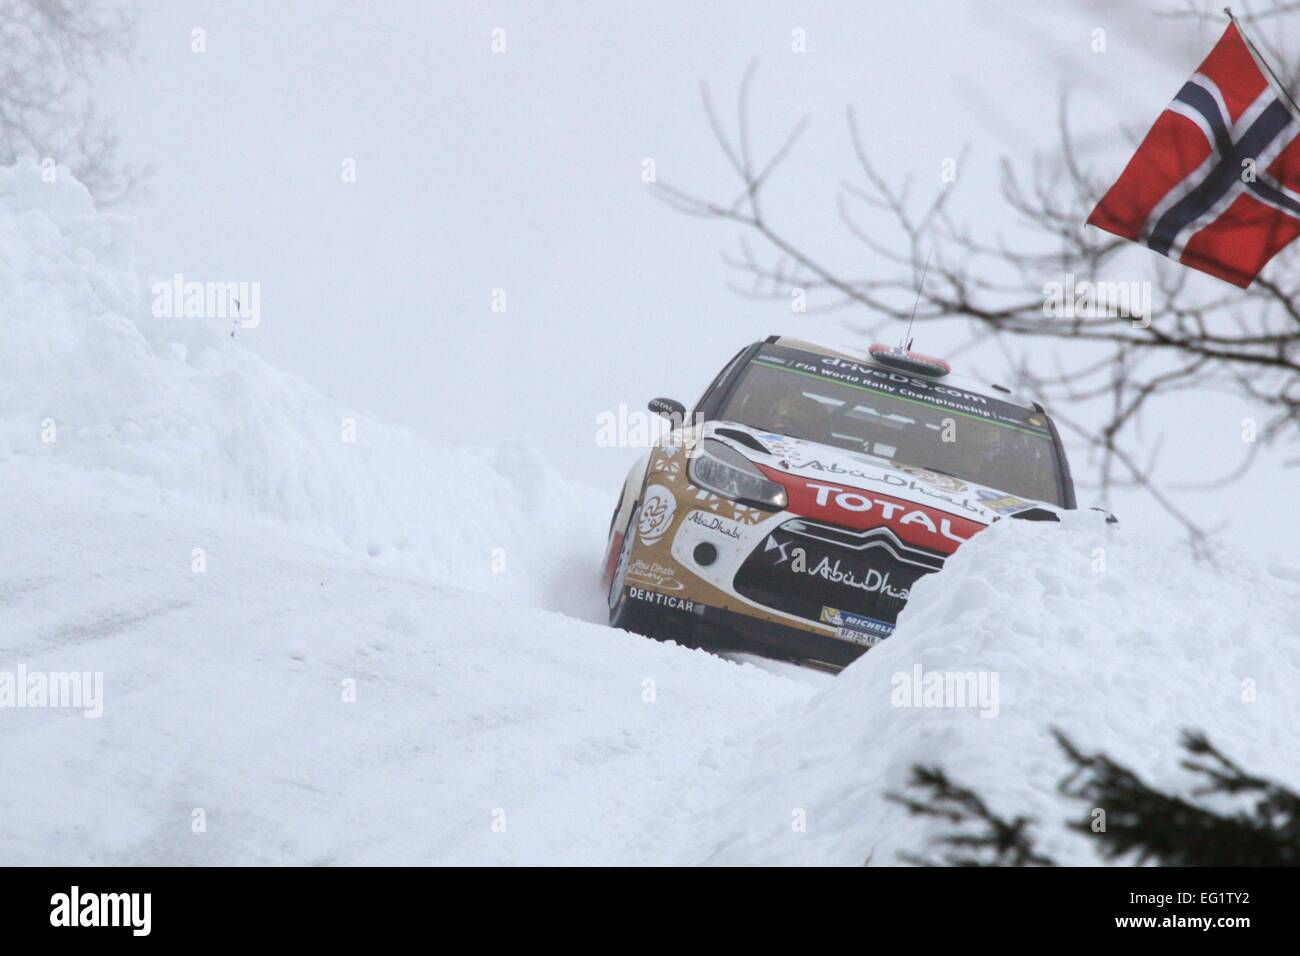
{"points": [[620, 613]]}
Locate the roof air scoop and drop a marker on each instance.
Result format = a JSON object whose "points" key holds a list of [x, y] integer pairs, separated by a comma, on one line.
{"points": [[908, 361]]}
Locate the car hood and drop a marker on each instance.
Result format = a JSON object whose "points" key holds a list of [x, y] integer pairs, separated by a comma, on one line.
{"points": [[796, 463]]}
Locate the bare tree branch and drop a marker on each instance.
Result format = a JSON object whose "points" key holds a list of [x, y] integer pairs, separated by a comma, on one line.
{"points": [[1204, 337], [53, 51]]}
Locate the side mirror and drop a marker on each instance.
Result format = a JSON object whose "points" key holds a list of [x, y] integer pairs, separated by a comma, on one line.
{"points": [[670, 409], [1036, 514], [1110, 518]]}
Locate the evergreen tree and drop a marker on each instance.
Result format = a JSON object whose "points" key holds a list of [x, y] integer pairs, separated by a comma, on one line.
{"points": [[994, 842], [1142, 824]]}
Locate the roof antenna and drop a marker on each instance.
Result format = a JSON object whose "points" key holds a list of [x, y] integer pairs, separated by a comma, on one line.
{"points": [[919, 289]]}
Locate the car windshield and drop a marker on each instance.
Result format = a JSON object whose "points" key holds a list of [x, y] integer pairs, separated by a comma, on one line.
{"points": [[904, 420]]}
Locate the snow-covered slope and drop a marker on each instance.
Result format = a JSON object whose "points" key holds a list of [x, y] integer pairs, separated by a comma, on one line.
{"points": [[353, 651], [228, 692], [339, 652], [207, 423], [1118, 644]]}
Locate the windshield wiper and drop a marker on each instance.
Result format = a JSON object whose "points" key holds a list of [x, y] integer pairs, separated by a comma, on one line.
{"points": [[942, 472]]}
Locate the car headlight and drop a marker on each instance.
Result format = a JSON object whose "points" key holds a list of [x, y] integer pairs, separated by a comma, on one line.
{"points": [[726, 472]]}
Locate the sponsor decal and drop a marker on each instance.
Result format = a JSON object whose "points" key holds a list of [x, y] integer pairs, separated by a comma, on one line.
{"points": [[889, 380], [780, 446], [913, 523], [1000, 503], [657, 510], [666, 600], [657, 575], [885, 478], [905, 387], [837, 618], [714, 523], [857, 628], [936, 478], [739, 512], [872, 582]]}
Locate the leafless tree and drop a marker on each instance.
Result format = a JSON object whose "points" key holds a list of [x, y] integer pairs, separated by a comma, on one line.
{"points": [[1109, 371], [52, 51]]}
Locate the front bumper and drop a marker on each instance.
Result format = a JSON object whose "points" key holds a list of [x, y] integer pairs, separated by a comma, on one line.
{"points": [[807, 583], [692, 623], [728, 630]]}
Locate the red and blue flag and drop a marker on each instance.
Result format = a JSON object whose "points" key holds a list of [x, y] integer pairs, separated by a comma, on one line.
{"points": [[1215, 184]]}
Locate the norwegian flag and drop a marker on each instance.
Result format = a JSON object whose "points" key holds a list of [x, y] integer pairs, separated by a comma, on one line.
{"points": [[1216, 183]]}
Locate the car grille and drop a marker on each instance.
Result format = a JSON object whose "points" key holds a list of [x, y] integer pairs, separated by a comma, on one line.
{"points": [[805, 566]]}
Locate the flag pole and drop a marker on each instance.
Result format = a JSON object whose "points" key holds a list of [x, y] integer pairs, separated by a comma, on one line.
{"points": [[1278, 85]]}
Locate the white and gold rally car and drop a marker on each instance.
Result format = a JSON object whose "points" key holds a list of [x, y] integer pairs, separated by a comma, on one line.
{"points": [[793, 511]]}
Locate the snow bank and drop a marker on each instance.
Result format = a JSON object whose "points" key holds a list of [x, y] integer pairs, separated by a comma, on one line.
{"points": [[125, 441], [323, 708], [89, 378], [1118, 643], [309, 704]]}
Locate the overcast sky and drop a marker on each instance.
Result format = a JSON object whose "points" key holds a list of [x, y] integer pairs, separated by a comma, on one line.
{"points": [[521, 170]]}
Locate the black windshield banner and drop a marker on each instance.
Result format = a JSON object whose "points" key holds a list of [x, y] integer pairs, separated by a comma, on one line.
{"points": [[908, 388]]}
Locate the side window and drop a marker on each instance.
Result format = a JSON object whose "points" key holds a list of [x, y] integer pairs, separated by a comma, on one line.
{"points": [[704, 405], [1064, 478]]}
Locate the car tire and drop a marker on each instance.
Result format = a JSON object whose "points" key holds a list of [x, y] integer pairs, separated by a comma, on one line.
{"points": [[622, 612]]}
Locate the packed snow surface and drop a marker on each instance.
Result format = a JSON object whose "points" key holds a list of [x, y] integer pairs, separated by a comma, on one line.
{"points": [[372, 664], [1035, 626], [382, 650]]}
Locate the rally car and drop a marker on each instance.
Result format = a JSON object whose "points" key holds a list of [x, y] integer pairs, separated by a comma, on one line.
{"points": [[792, 512]]}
